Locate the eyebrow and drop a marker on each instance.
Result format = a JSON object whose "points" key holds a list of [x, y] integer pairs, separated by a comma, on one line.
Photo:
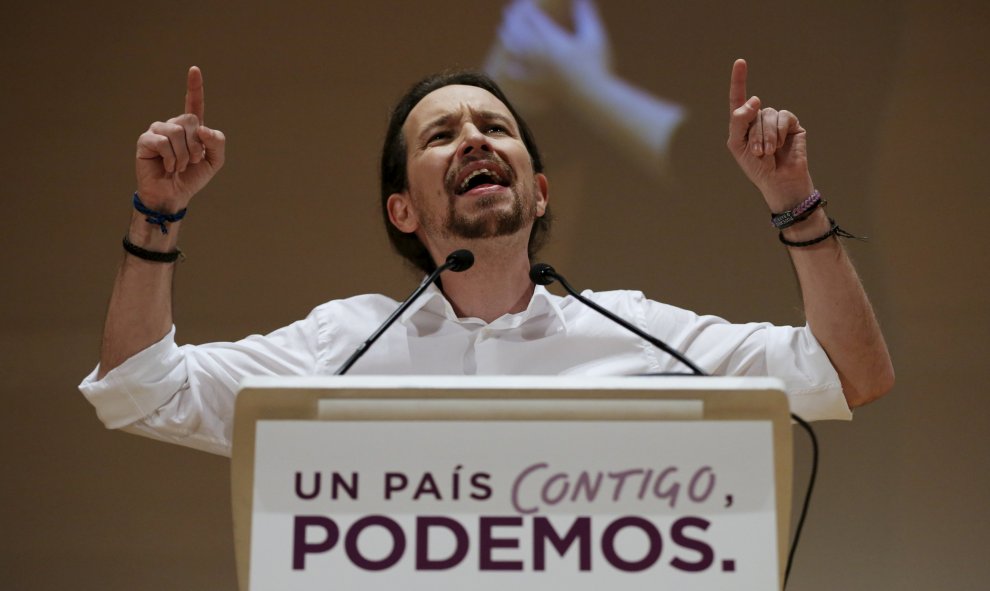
{"points": [[445, 119]]}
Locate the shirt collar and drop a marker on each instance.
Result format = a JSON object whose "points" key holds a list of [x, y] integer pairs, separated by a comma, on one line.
{"points": [[542, 304]]}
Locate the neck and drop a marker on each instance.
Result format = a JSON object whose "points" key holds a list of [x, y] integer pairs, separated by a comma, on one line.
{"points": [[497, 284]]}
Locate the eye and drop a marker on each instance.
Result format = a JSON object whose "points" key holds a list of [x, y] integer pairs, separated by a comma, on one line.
{"points": [[439, 136], [497, 129]]}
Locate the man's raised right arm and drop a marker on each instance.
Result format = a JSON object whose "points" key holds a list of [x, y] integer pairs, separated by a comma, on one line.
{"points": [[175, 159]]}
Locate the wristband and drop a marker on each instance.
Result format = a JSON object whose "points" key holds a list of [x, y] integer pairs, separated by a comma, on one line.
{"points": [[151, 255], [834, 230], [786, 219], [156, 217]]}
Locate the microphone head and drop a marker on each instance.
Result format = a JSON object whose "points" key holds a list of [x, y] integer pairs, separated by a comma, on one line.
{"points": [[460, 260], [542, 274]]}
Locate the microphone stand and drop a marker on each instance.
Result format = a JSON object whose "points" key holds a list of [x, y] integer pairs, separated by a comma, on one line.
{"points": [[459, 260], [544, 274]]}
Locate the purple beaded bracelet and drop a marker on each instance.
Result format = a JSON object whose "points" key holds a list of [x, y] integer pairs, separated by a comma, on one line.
{"points": [[800, 212]]}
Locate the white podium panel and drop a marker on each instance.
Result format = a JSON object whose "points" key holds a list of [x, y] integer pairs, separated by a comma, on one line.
{"points": [[473, 485]]}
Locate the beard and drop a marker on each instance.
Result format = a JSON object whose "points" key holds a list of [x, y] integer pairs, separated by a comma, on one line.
{"points": [[488, 217], [489, 221]]}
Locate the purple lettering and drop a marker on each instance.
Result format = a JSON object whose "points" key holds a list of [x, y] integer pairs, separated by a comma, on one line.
{"points": [[608, 544], [621, 477], [545, 494], [354, 553], [423, 561], [487, 543], [479, 481], [300, 547], [645, 485], [672, 492], [543, 531], [518, 483], [584, 483], [679, 538], [338, 482], [316, 486], [456, 483], [700, 498], [427, 486], [394, 482]]}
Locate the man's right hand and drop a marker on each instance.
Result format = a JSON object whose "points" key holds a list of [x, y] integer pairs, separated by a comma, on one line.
{"points": [[176, 158]]}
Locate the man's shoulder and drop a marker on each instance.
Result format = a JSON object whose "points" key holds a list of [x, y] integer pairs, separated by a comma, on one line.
{"points": [[618, 297], [368, 304], [351, 317], [614, 294], [635, 303]]}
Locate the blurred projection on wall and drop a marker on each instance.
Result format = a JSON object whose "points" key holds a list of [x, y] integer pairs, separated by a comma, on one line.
{"points": [[556, 54]]}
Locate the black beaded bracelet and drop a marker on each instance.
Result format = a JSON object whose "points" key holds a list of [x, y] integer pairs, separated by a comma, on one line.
{"points": [[151, 255], [801, 212]]}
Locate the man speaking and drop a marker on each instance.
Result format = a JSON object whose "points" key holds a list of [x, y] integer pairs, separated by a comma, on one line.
{"points": [[461, 170]]}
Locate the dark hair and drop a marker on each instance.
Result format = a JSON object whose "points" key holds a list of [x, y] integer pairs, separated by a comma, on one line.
{"points": [[394, 177]]}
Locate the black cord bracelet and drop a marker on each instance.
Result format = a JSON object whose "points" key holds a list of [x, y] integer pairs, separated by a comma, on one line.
{"points": [[151, 255], [834, 230]]}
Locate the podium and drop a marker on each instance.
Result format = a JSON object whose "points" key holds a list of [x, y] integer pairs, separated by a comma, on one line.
{"points": [[531, 482]]}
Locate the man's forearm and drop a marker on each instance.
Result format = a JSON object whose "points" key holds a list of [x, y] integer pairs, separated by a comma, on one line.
{"points": [[140, 310], [839, 313]]}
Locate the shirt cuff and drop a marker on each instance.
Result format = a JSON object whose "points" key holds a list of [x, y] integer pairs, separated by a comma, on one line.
{"points": [[139, 386], [813, 386]]}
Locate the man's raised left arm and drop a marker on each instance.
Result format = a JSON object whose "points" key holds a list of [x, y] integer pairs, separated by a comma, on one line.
{"points": [[771, 148]]}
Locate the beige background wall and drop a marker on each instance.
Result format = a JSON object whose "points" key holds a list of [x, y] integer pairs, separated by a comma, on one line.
{"points": [[894, 95]]}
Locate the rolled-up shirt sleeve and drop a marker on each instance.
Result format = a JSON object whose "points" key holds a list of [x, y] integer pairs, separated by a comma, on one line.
{"points": [[186, 394], [790, 353], [813, 385], [139, 386]]}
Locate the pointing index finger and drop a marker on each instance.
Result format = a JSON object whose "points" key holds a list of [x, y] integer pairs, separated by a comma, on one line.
{"points": [[195, 99], [737, 85]]}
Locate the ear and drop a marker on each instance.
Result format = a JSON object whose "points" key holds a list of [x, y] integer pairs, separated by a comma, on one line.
{"points": [[543, 196], [401, 213]]}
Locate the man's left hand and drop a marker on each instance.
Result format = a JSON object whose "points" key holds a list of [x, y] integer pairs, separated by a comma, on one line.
{"points": [[769, 145]]}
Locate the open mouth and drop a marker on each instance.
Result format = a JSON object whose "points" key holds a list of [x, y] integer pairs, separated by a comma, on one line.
{"points": [[482, 175]]}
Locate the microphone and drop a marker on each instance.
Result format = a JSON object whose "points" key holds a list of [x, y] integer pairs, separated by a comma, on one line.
{"points": [[457, 261], [544, 274]]}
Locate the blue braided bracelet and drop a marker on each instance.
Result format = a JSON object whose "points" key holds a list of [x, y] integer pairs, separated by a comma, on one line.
{"points": [[156, 217]]}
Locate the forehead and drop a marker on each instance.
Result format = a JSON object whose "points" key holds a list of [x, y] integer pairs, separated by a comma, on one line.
{"points": [[456, 99]]}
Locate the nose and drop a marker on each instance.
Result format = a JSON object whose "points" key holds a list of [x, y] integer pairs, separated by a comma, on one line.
{"points": [[474, 140]]}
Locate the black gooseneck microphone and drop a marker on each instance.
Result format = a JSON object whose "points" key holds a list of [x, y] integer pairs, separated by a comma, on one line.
{"points": [[457, 261], [544, 274]]}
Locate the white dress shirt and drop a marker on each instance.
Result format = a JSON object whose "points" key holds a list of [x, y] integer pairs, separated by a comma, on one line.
{"points": [[186, 394]]}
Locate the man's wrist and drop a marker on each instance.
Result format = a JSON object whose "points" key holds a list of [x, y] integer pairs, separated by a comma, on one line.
{"points": [[810, 227], [149, 236]]}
